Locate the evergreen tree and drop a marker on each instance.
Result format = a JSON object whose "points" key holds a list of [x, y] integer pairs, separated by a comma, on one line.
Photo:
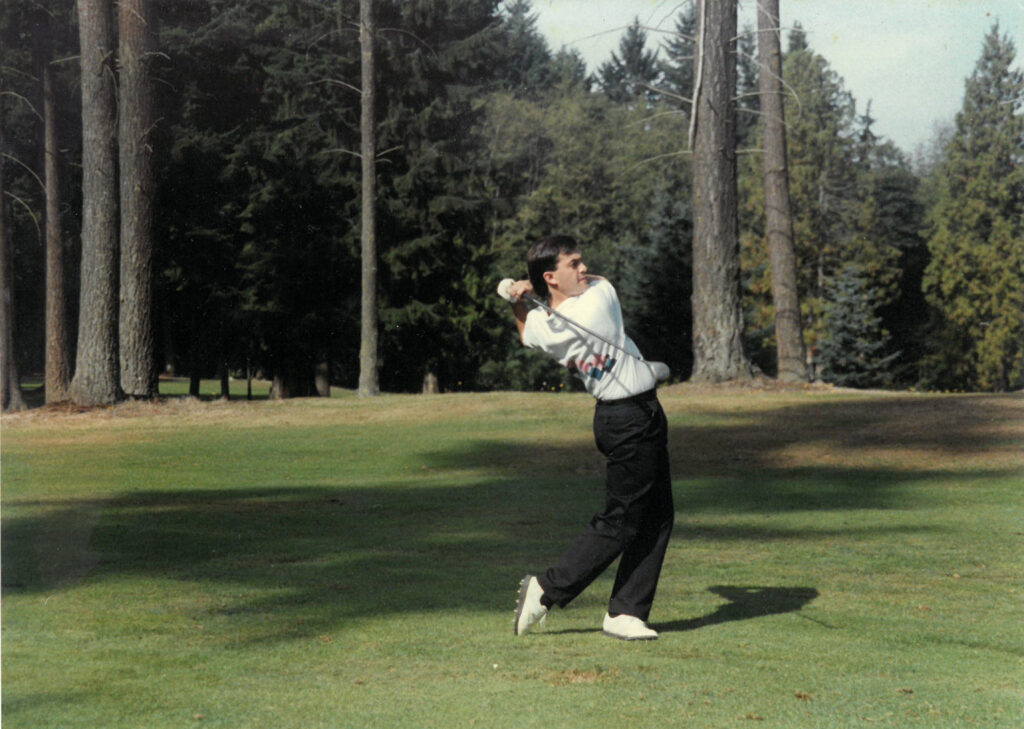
{"points": [[257, 197], [38, 49], [136, 117], [436, 210], [11, 398], [791, 356], [886, 244], [633, 71], [975, 279], [96, 380], [855, 351], [657, 276], [796, 40], [680, 62], [369, 369], [822, 176], [527, 64], [569, 72], [854, 201], [748, 100], [52, 41], [717, 310]]}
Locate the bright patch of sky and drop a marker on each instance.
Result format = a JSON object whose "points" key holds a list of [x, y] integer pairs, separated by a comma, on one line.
{"points": [[909, 58]]}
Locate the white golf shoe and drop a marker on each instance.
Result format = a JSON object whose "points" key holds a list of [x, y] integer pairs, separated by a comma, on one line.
{"points": [[529, 612], [626, 627]]}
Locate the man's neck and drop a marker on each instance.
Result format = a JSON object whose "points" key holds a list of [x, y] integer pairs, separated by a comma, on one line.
{"points": [[557, 298]]}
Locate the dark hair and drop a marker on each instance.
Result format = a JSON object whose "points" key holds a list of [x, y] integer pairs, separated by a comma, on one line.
{"points": [[543, 256]]}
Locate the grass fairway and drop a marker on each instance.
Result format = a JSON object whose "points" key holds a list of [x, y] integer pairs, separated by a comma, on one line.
{"points": [[839, 560]]}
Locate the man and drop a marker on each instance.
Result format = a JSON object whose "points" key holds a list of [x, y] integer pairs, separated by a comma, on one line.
{"points": [[630, 430]]}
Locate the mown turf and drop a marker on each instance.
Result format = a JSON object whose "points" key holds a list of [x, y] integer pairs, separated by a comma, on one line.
{"points": [[839, 560]]}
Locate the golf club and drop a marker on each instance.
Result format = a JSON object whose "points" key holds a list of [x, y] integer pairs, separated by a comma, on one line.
{"points": [[660, 370]]}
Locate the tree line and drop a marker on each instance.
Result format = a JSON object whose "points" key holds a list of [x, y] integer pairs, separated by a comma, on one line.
{"points": [[245, 254]]}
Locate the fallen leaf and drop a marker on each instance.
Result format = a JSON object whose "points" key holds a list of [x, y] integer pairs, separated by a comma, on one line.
{"points": [[905, 690], [804, 696]]}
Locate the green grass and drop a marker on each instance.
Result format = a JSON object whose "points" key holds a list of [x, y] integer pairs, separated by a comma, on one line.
{"points": [[839, 560]]}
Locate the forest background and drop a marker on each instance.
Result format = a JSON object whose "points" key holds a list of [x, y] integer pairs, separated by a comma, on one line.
{"points": [[909, 272]]}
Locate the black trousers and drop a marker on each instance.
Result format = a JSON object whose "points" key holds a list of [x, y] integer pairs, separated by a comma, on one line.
{"points": [[638, 514]]}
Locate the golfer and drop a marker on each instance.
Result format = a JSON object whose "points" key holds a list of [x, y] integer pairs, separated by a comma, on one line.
{"points": [[630, 430]]}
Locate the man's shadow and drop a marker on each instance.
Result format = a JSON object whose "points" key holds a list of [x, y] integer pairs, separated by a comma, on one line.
{"points": [[745, 603]]}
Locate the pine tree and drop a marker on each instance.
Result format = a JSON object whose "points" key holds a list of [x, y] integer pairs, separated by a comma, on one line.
{"points": [[748, 98], [633, 71], [96, 380], [717, 310], [822, 176], [136, 117], [790, 352], [57, 359], [435, 209], [527, 64], [975, 279], [569, 72], [680, 61], [856, 350], [260, 251], [11, 398], [369, 367], [655, 284]]}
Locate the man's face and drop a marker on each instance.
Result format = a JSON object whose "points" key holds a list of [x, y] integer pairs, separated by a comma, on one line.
{"points": [[569, 276]]}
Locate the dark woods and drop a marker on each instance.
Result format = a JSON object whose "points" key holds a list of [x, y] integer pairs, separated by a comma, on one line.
{"points": [[486, 137]]}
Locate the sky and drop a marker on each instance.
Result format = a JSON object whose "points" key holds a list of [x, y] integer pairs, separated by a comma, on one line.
{"points": [[909, 58]]}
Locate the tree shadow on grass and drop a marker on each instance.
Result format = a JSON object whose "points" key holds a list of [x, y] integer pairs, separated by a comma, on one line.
{"points": [[300, 560], [277, 563]]}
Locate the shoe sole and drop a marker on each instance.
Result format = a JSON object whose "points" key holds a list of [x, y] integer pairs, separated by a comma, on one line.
{"points": [[524, 586], [626, 637]]}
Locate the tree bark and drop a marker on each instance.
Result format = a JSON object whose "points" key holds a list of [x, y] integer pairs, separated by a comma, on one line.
{"points": [[57, 361], [789, 336], [57, 377], [136, 120], [225, 381], [369, 382], [322, 379], [717, 313], [96, 379], [11, 398]]}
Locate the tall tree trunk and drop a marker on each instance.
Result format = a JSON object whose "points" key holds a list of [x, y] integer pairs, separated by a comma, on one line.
{"points": [[717, 313], [225, 380], [136, 120], [57, 378], [322, 378], [96, 379], [11, 398], [57, 367], [789, 336], [369, 383]]}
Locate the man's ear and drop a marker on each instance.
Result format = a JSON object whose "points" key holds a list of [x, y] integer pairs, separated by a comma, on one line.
{"points": [[550, 279]]}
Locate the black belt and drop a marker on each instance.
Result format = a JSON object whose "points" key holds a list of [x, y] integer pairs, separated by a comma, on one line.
{"points": [[642, 397]]}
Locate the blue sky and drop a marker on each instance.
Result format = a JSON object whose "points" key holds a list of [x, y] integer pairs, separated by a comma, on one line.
{"points": [[910, 58]]}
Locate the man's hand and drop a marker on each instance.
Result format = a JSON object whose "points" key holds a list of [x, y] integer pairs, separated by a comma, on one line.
{"points": [[512, 291], [519, 288]]}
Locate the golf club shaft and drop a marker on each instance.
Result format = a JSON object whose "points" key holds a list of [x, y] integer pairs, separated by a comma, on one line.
{"points": [[537, 302]]}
